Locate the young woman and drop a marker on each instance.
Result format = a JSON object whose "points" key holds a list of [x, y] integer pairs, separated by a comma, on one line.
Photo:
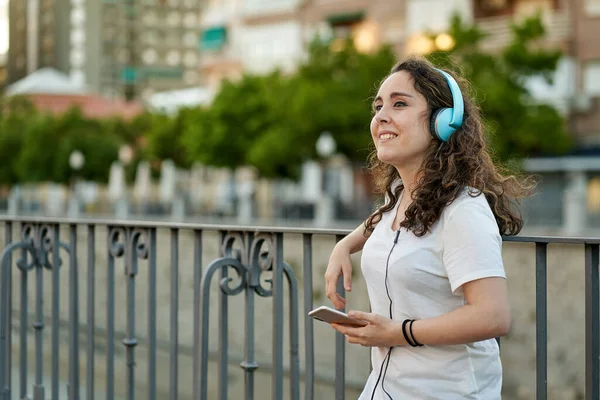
{"points": [[431, 255]]}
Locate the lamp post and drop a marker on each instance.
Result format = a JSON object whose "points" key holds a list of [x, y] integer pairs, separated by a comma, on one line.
{"points": [[76, 162], [122, 206], [326, 147], [125, 154]]}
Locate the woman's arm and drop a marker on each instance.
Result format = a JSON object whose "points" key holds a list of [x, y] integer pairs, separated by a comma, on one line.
{"points": [[340, 264], [486, 315]]}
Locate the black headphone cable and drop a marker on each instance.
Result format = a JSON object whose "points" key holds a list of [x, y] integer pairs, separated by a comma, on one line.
{"points": [[386, 360]]}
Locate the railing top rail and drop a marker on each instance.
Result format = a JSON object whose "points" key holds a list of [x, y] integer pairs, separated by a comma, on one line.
{"points": [[253, 228], [172, 225]]}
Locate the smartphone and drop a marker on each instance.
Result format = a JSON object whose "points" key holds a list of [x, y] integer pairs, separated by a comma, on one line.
{"points": [[330, 315]]}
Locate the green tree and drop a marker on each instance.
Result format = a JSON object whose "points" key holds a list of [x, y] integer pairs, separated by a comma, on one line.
{"points": [[164, 138], [48, 142], [335, 90], [519, 126], [273, 122], [15, 114], [240, 114]]}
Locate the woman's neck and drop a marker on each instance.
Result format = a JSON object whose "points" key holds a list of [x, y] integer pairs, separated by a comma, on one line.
{"points": [[409, 180]]}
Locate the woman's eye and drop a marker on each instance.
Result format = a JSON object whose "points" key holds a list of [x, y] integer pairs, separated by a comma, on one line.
{"points": [[399, 104], [377, 108]]}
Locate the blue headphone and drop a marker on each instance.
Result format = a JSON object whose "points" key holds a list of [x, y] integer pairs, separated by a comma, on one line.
{"points": [[445, 121]]}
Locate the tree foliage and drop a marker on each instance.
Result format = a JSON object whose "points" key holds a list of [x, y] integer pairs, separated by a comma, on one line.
{"points": [[519, 125], [273, 121]]}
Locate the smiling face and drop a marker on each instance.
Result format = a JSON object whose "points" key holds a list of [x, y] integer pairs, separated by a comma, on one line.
{"points": [[399, 127]]}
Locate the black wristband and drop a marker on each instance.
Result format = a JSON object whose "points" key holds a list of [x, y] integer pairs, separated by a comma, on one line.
{"points": [[416, 344], [408, 340]]}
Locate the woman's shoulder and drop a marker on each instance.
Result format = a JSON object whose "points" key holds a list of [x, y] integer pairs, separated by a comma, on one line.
{"points": [[469, 201]]}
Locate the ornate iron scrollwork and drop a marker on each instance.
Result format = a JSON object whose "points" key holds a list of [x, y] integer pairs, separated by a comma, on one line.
{"points": [[254, 258], [37, 242], [132, 243], [250, 256]]}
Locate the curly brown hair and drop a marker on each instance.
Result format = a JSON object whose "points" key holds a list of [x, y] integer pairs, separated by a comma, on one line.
{"points": [[448, 168]]}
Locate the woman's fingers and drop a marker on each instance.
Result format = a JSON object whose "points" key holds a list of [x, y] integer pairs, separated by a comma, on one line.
{"points": [[347, 273]]}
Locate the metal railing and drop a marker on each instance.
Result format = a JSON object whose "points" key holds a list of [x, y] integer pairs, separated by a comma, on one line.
{"points": [[256, 256]]}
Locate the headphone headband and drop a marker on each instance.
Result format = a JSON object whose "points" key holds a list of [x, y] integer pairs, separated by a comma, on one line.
{"points": [[446, 121], [457, 101]]}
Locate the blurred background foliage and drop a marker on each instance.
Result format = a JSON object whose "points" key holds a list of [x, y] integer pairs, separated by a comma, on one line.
{"points": [[272, 122]]}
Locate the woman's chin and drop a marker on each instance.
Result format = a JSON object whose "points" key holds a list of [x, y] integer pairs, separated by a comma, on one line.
{"points": [[386, 157]]}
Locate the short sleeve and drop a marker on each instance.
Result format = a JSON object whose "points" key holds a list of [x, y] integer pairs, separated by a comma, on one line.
{"points": [[472, 245]]}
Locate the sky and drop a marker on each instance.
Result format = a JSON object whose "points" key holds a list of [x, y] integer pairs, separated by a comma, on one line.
{"points": [[3, 26]]}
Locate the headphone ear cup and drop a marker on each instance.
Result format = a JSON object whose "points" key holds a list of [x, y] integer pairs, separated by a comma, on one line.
{"points": [[433, 124], [439, 124]]}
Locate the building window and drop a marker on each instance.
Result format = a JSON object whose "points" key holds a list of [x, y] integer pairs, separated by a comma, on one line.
{"points": [[213, 38], [174, 19], [190, 59], [592, 7], [173, 58], [353, 26], [591, 78], [493, 8], [190, 20], [149, 56], [342, 25]]}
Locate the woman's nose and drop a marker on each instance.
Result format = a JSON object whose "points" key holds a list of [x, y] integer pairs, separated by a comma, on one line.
{"points": [[382, 117]]}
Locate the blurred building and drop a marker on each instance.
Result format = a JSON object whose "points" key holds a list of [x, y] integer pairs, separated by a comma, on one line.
{"points": [[260, 35], [54, 92], [119, 48], [2, 70], [148, 46], [38, 37]]}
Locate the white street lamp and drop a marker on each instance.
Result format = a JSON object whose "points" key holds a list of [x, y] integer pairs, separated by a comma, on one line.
{"points": [[325, 212], [326, 145], [125, 154], [76, 160]]}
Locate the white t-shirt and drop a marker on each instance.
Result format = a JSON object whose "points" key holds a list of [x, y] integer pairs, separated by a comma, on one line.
{"points": [[425, 275]]}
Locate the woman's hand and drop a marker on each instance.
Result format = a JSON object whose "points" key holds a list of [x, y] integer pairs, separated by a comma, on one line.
{"points": [[339, 264], [380, 332]]}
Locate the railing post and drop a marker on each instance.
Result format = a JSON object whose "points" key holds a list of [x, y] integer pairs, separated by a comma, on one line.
{"points": [[223, 333], [340, 348], [174, 320], [592, 324], [309, 334], [278, 317], [152, 316], [54, 388], [73, 386], [91, 311], [197, 311], [541, 321]]}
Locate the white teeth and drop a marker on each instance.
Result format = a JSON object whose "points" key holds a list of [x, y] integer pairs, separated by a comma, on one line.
{"points": [[387, 136]]}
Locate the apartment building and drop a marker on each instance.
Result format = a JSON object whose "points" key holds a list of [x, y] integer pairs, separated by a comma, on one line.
{"points": [[148, 46], [585, 51], [38, 37], [259, 35], [119, 48]]}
